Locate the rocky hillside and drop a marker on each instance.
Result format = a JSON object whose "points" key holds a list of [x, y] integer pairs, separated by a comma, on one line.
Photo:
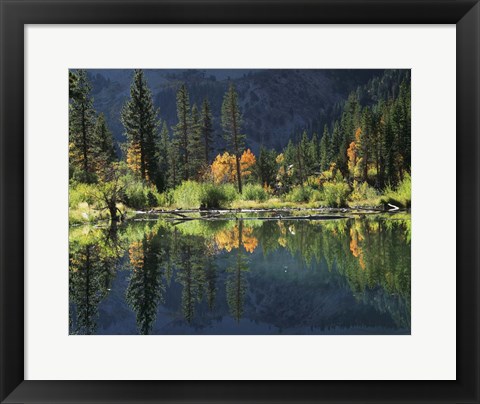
{"points": [[277, 104]]}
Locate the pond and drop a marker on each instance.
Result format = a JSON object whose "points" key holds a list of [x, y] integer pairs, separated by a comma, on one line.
{"points": [[242, 275]]}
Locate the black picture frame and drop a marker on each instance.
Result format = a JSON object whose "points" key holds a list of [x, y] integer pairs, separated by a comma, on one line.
{"points": [[16, 13]]}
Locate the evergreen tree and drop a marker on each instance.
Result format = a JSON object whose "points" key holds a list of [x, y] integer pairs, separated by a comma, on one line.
{"points": [[175, 172], [182, 131], [365, 142], [231, 123], [335, 144], [163, 158], [140, 121], [315, 151], [104, 150], [81, 127], [266, 166], [206, 121], [196, 145], [324, 150]]}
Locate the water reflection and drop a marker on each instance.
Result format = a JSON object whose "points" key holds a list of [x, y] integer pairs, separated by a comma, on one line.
{"points": [[242, 277]]}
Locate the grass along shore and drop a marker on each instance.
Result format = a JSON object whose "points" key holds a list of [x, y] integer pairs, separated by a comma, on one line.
{"points": [[85, 206]]}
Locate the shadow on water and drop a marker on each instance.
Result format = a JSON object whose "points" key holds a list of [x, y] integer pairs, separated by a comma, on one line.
{"points": [[346, 276]]}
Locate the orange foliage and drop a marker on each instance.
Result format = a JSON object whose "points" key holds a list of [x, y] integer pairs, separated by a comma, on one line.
{"points": [[358, 134], [224, 167], [230, 238], [135, 253], [352, 154], [354, 163], [250, 242], [246, 162], [357, 252]]}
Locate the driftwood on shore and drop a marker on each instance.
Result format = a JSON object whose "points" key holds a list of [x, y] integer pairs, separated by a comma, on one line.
{"points": [[177, 216]]}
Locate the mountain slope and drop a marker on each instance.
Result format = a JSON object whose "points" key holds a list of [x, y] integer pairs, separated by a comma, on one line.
{"points": [[276, 103]]}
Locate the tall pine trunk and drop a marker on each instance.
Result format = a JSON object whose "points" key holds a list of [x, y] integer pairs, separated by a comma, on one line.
{"points": [[237, 157], [84, 139]]}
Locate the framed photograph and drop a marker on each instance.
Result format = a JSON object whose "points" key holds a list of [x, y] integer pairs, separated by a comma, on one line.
{"points": [[240, 202]]}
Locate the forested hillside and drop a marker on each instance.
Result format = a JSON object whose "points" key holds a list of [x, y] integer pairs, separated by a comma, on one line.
{"points": [[275, 103], [209, 138]]}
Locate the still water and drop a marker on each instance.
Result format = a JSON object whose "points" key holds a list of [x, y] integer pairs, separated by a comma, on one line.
{"points": [[242, 276]]}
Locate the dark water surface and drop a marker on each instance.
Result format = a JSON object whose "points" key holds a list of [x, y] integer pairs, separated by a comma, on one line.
{"points": [[343, 276]]}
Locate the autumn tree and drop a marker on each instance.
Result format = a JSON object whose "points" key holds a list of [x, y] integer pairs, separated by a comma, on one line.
{"points": [[224, 167], [231, 123], [140, 121]]}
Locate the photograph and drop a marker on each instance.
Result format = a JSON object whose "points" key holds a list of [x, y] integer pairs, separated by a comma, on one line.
{"points": [[239, 201]]}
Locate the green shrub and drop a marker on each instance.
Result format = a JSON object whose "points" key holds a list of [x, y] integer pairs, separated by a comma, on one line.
{"points": [[316, 196], [165, 199], [217, 196], [136, 195], [80, 193], [336, 193], [187, 195], [362, 192], [152, 199], [299, 194], [254, 192], [402, 196]]}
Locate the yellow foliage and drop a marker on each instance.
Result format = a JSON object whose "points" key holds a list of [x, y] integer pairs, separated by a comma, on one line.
{"points": [[229, 239], [134, 158], [358, 134], [135, 253], [224, 167], [246, 162], [354, 163], [355, 238]]}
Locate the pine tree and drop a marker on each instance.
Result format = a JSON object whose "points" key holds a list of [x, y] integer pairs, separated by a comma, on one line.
{"points": [[81, 125], [231, 123], [175, 164], [266, 166], [104, 150], [163, 157], [196, 144], [365, 142], [315, 150], [140, 121], [206, 122], [182, 130], [324, 150]]}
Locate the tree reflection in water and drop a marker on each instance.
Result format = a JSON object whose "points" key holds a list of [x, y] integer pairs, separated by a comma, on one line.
{"points": [[332, 276]]}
